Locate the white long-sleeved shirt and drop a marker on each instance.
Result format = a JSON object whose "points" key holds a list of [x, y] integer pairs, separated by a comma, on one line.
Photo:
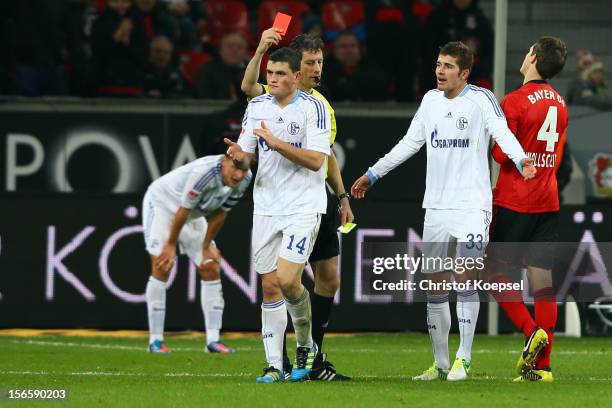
{"points": [[457, 132], [283, 187]]}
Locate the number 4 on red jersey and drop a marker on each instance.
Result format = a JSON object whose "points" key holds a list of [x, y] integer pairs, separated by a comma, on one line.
{"points": [[537, 115]]}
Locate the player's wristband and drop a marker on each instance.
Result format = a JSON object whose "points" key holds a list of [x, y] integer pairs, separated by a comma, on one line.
{"points": [[344, 195], [371, 176]]}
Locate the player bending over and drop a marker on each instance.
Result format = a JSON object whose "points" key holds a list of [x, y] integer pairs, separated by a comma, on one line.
{"points": [[188, 207]]}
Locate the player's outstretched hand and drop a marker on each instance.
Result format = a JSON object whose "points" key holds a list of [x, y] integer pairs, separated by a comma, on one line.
{"points": [[165, 260], [272, 141], [346, 214], [360, 186], [269, 38], [234, 151], [529, 170]]}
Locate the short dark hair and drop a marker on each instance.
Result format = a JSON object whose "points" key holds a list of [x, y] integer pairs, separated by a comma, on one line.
{"points": [[306, 42], [287, 55], [244, 164], [463, 54], [551, 54]]}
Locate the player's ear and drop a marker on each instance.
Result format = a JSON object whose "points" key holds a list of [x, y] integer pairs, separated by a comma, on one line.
{"points": [[464, 74], [298, 75]]}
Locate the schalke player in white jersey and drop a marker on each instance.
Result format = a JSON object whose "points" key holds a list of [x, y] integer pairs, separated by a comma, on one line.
{"points": [[291, 131], [456, 121], [188, 206]]}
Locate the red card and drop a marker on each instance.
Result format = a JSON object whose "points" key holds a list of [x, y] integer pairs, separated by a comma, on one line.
{"points": [[281, 21]]}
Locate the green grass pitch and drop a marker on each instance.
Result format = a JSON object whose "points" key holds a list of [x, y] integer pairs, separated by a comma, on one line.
{"points": [[105, 371]]}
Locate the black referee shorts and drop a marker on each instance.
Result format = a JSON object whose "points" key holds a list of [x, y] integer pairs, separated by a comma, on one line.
{"points": [[326, 246], [523, 239]]}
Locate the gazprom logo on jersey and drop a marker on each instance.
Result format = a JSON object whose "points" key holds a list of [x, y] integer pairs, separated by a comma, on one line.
{"points": [[293, 128], [265, 148], [447, 143]]}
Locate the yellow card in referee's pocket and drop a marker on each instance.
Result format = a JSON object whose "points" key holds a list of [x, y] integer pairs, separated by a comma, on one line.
{"points": [[346, 228]]}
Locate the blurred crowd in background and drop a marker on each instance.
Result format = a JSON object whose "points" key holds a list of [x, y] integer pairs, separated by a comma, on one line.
{"points": [[376, 50]]}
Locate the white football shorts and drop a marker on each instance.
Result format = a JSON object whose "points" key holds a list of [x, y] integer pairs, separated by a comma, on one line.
{"points": [[157, 221], [454, 233], [290, 237]]}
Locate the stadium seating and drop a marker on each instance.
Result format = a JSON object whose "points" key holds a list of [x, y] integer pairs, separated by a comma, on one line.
{"points": [[224, 17], [268, 9], [422, 11], [99, 5], [191, 61], [341, 15]]}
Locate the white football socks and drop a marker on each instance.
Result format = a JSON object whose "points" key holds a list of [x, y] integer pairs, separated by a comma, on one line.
{"points": [[301, 317], [273, 326], [439, 323], [211, 299], [156, 307], [468, 306]]}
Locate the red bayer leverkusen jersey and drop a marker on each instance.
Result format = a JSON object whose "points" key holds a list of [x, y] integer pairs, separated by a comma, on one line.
{"points": [[537, 115]]}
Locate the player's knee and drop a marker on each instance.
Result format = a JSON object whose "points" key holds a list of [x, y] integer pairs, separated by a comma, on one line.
{"points": [[290, 287], [437, 293], [327, 285], [327, 280], [210, 271], [270, 288], [464, 277], [160, 274], [539, 278]]}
